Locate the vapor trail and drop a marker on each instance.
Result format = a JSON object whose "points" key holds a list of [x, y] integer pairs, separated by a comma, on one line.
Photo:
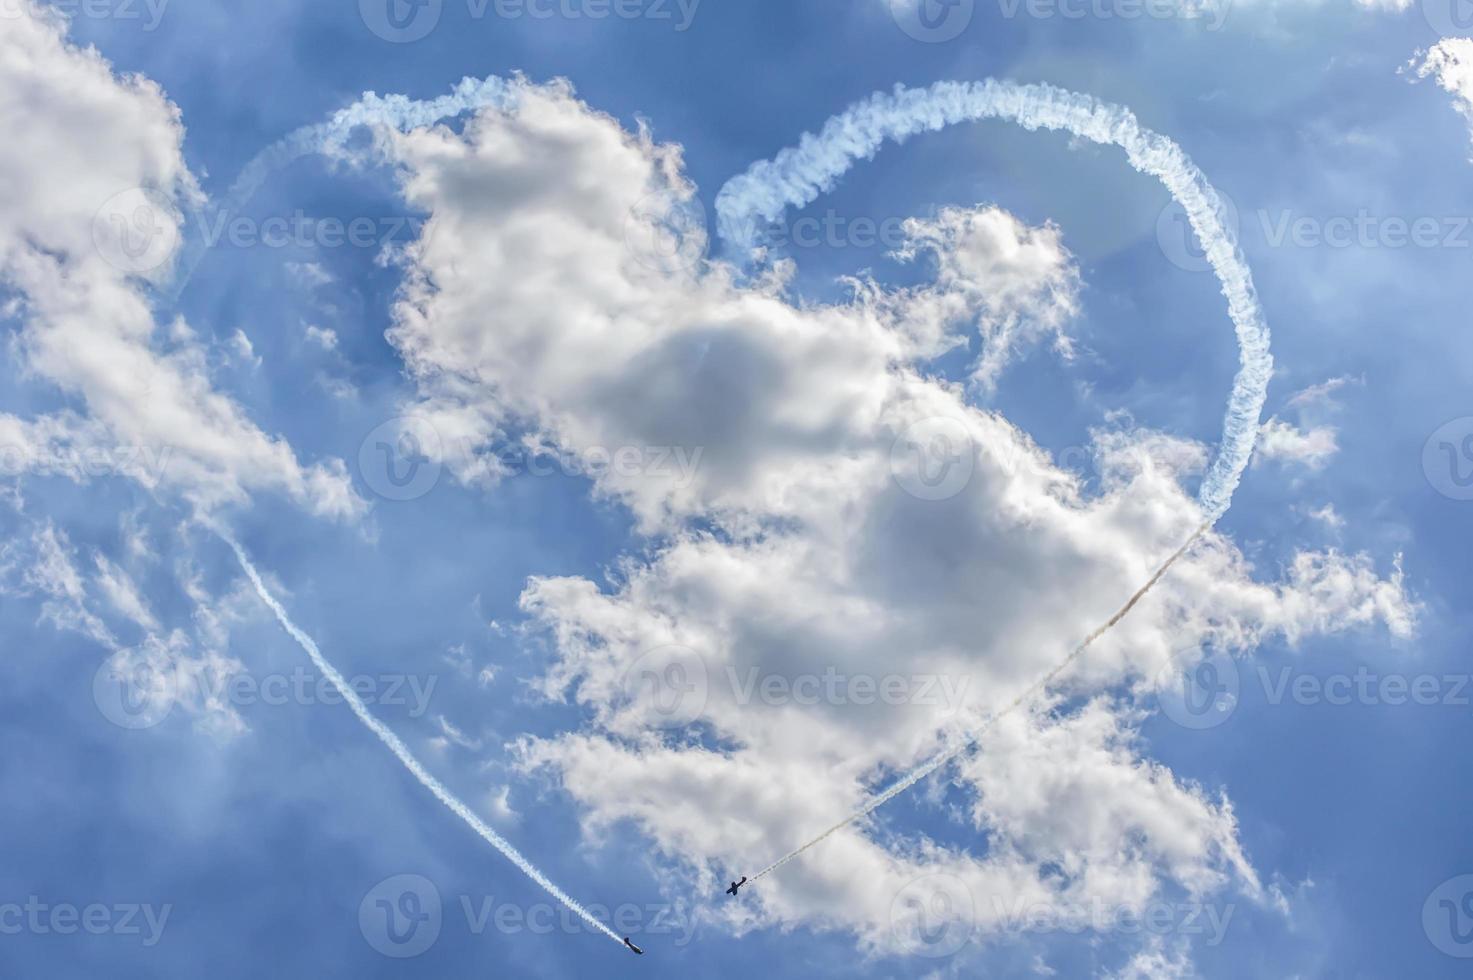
{"points": [[401, 751], [799, 174], [969, 738], [330, 137]]}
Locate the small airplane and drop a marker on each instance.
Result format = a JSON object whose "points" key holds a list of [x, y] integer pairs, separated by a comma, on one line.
{"points": [[632, 946], [735, 885]]}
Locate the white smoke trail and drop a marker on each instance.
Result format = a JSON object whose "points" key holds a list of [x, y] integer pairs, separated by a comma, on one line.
{"points": [[797, 175], [401, 751], [968, 738], [330, 138]]}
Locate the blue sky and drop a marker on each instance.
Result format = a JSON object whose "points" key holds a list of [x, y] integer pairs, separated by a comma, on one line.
{"points": [[493, 620]]}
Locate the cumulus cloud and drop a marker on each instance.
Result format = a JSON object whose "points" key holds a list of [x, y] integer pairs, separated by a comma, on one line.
{"points": [[1450, 62], [860, 554], [1280, 440], [1313, 442], [1017, 284], [90, 216]]}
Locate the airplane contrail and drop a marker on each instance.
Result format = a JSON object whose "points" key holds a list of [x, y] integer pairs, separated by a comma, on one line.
{"points": [[401, 751], [799, 174], [969, 738]]}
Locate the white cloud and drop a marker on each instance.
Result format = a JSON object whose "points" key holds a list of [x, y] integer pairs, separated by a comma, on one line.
{"points": [[1450, 61], [1282, 441], [1017, 284], [324, 337], [1313, 442], [120, 589], [98, 182], [796, 550], [1328, 516]]}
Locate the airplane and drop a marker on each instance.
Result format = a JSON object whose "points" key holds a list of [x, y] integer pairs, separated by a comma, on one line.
{"points": [[632, 946], [735, 885]]}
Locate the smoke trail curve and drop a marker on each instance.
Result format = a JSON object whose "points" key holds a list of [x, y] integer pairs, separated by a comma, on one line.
{"points": [[394, 111], [799, 174], [401, 751]]}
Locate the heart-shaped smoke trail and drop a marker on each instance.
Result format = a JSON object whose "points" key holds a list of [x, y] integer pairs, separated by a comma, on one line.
{"points": [[799, 174]]}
